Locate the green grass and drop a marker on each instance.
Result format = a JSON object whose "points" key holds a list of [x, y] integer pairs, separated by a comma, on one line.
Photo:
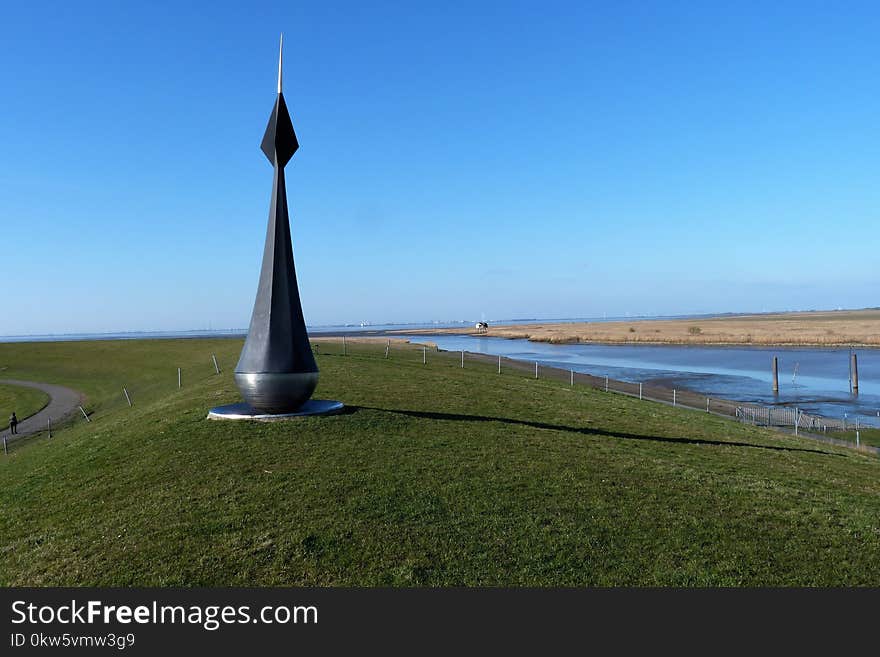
{"points": [[24, 401], [866, 436], [437, 476]]}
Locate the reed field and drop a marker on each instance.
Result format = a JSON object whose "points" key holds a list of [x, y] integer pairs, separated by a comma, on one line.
{"points": [[832, 328]]}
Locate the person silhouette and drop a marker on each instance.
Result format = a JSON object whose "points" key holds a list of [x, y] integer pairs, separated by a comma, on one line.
{"points": [[13, 423]]}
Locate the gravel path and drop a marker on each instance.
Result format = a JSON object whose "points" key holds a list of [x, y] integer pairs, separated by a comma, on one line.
{"points": [[62, 402]]}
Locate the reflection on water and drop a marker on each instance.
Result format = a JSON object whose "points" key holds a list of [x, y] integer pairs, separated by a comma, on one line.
{"points": [[816, 380]]}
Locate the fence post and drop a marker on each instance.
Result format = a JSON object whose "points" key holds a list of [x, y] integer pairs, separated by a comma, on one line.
{"points": [[424, 355], [387, 348], [462, 358], [49, 424], [499, 364], [572, 378], [85, 415], [4, 445], [606, 384], [640, 389], [707, 404], [797, 417], [536, 369], [855, 374], [178, 378], [673, 396], [216, 367], [127, 398]]}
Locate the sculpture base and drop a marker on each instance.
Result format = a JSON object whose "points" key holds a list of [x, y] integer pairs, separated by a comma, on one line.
{"points": [[276, 392], [242, 411]]}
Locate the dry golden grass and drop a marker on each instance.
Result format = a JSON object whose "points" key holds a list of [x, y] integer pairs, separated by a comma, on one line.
{"points": [[361, 339], [821, 328]]}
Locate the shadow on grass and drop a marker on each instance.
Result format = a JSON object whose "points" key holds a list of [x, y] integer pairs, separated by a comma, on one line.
{"points": [[457, 417]]}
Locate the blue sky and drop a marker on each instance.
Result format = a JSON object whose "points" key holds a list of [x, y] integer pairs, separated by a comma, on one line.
{"points": [[457, 160]]}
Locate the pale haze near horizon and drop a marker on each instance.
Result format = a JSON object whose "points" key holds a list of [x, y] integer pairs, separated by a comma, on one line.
{"points": [[456, 163]]}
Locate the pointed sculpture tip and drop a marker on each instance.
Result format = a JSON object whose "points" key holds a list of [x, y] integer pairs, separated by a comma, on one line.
{"points": [[280, 51]]}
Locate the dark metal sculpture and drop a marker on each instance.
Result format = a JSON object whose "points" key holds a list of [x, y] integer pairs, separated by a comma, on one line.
{"points": [[276, 372]]}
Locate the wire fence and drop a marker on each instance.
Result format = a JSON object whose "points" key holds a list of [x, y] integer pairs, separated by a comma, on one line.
{"points": [[790, 419], [770, 416]]}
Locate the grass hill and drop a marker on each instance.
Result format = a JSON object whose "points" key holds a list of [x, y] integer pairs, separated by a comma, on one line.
{"points": [[24, 401], [436, 475]]}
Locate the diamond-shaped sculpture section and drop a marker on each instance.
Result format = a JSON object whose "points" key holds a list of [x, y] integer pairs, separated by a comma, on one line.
{"points": [[279, 142]]}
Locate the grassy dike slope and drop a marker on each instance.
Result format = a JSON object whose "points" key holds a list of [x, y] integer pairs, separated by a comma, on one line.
{"points": [[439, 476], [24, 401]]}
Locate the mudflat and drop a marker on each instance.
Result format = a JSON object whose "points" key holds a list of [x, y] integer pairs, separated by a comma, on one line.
{"points": [[818, 328]]}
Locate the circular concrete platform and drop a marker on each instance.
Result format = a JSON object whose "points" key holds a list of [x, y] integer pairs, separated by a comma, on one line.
{"points": [[242, 411]]}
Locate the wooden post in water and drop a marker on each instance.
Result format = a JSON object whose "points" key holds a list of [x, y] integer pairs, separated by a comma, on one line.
{"points": [[775, 375], [855, 374]]}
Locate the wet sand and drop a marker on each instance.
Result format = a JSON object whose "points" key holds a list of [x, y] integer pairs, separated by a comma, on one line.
{"points": [[360, 338]]}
